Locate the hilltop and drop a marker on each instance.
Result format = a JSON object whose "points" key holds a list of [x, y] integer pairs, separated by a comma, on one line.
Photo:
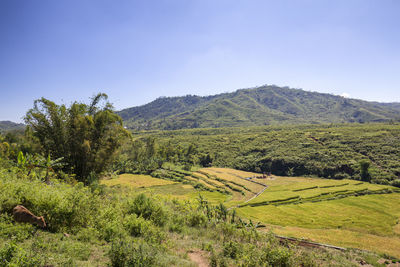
{"points": [[266, 105]]}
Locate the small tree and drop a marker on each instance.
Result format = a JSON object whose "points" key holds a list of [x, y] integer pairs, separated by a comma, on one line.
{"points": [[86, 136], [364, 171]]}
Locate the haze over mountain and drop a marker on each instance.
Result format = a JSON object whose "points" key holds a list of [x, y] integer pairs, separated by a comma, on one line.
{"points": [[9, 125], [263, 105]]}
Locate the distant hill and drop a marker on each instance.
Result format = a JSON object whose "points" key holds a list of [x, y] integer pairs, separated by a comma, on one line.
{"points": [[9, 126], [256, 106]]}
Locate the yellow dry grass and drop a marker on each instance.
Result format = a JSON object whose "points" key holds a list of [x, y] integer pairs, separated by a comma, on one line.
{"points": [[205, 177], [367, 222], [345, 238], [200, 181], [396, 228], [136, 181], [236, 176]]}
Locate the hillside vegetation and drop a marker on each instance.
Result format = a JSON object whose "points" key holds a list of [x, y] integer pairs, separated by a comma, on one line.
{"points": [[120, 226], [258, 106], [329, 151], [345, 213], [10, 126], [167, 198]]}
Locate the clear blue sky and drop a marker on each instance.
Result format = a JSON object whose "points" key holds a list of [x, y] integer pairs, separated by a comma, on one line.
{"points": [[136, 51]]}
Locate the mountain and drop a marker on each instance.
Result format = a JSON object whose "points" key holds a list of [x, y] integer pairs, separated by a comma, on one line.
{"points": [[9, 126], [256, 106]]}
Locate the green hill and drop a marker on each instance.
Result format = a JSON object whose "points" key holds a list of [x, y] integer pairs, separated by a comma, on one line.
{"points": [[266, 105], [9, 126]]}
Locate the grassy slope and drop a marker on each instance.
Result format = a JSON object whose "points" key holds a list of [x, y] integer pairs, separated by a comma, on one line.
{"points": [[368, 222], [102, 223], [365, 222]]}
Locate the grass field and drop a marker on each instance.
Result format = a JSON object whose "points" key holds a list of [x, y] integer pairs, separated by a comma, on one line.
{"points": [[136, 181], [156, 186], [235, 176], [366, 221], [311, 189]]}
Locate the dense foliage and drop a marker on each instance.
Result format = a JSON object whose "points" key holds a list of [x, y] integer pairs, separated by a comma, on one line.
{"points": [[356, 151], [251, 107], [85, 136]]}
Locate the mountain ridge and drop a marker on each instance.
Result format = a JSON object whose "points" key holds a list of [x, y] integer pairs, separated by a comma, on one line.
{"points": [[10, 126], [264, 105]]}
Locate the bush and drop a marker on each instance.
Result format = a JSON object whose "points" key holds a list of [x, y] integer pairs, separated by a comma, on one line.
{"points": [[177, 224], [148, 209], [17, 232], [232, 249], [396, 183], [63, 206], [196, 219], [277, 256], [13, 255], [128, 253]]}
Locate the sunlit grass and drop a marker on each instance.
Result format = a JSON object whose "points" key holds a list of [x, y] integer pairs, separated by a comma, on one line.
{"points": [[345, 238], [136, 181], [235, 176], [351, 222], [201, 182], [287, 187], [368, 222]]}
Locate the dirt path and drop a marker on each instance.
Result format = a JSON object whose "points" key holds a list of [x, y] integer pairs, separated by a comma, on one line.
{"points": [[253, 197], [198, 258], [256, 195]]}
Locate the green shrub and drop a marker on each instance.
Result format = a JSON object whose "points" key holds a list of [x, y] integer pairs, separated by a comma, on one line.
{"points": [[396, 183], [12, 255], [17, 232], [195, 219], [87, 234], [232, 249], [277, 256], [177, 224], [128, 253], [111, 230], [136, 226], [63, 206], [149, 209]]}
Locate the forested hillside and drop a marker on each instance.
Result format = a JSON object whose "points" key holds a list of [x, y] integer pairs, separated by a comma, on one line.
{"points": [[9, 125], [330, 151], [266, 105]]}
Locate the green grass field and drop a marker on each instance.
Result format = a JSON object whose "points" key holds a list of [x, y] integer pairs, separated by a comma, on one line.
{"points": [[367, 221]]}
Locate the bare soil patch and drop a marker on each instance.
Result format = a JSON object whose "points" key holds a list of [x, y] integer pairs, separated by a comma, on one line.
{"points": [[199, 258]]}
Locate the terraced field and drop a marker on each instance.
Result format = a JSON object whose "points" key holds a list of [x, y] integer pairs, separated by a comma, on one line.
{"points": [[345, 213]]}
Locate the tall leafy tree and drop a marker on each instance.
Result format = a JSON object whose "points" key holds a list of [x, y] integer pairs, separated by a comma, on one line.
{"points": [[364, 170], [85, 135]]}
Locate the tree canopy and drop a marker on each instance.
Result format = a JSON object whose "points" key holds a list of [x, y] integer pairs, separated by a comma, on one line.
{"points": [[85, 135]]}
